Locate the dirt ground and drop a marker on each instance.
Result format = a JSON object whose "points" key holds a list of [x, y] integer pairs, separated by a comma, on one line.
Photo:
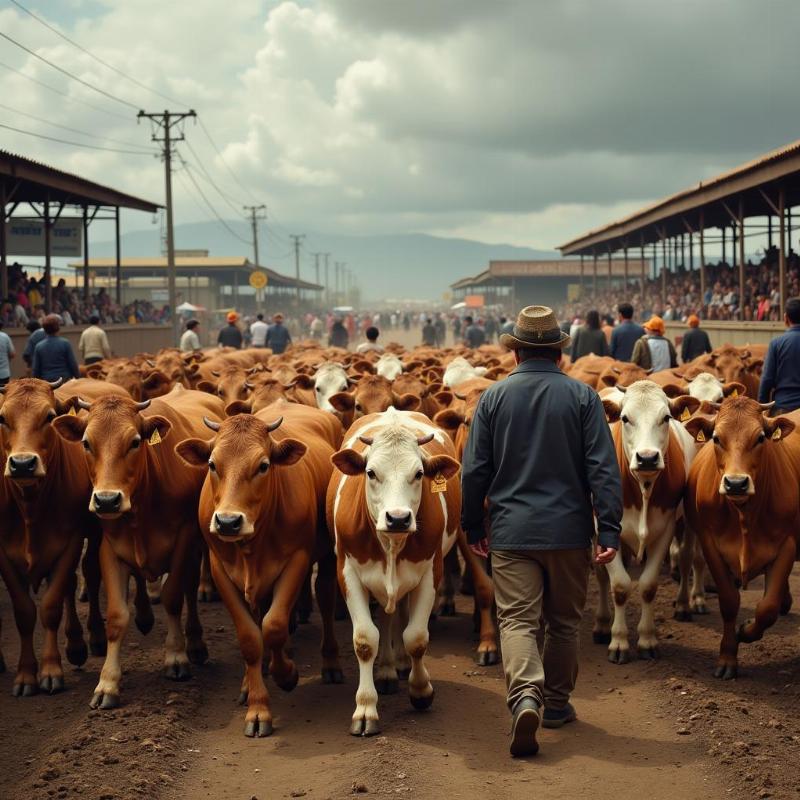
{"points": [[656, 729]]}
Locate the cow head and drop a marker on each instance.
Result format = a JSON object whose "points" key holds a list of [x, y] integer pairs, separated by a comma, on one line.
{"points": [[389, 366], [229, 384], [742, 436], [731, 364], [394, 465], [27, 412], [622, 373], [115, 435], [330, 379], [240, 459], [644, 415], [373, 394], [711, 389]]}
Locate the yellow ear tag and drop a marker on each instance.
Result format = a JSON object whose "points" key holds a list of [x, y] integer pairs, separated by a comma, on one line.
{"points": [[439, 483], [686, 415], [734, 393], [701, 437], [72, 412], [776, 435], [155, 437]]}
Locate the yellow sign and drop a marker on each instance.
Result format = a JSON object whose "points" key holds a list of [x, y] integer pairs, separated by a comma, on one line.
{"points": [[258, 279], [777, 435], [439, 483], [155, 437], [734, 393], [72, 412], [686, 415], [701, 437]]}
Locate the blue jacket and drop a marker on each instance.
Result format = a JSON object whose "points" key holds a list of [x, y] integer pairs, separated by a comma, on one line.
{"points": [[623, 338], [53, 359], [540, 450], [781, 372], [278, 338], [34, 339]]}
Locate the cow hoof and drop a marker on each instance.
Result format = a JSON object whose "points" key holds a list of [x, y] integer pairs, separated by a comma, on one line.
{"points": [[648, 653], [448, 609], [145, 622], [365, 727], [487, 658], [177, 671], [682, 615], [104, 700], [786, 606], [726, 672], [700, 609], [619, 656], [77, 653], [197, 655], [24, 689], [744, 636], [97, 647], [387, 685], [289, 684], [334, 675], [601, 637], [403, 673], [52, 684], [258, 729], [421, 703]]}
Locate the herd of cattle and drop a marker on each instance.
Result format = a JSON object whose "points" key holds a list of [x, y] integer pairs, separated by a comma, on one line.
{"points": [[236, 473]]}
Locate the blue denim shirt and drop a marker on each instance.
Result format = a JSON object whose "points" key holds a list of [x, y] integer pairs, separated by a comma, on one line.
{"points": [[53, 359], [623, 339], [782, 371]]}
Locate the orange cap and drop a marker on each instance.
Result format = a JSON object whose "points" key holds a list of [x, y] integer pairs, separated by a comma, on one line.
{"points": [[232, 316], [656, 325], [693, 321]]}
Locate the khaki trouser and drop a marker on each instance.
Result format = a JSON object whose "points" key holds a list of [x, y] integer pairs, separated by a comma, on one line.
{"points": [[534, 585]]}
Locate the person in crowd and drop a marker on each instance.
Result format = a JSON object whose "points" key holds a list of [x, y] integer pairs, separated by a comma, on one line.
{"points": [[506, 325], [7, 354], [490, 328], [590, 338], [626, 334], [258, 332], [317, 327], [93, 344], [695, 341], [371, 345], [654, 351], [278, 337], [36, 335], [190, 341], [540, 571], [429, 333], [780, 379], [53, 357], [474, 335], [338, 336], [230, 335], [441, 330], [608, 327]]}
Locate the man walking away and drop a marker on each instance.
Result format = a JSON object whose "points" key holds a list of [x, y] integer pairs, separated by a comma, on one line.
{"points": [[53, 357], [258, 332], [36, 335], [441, 330], [695, 342], [474, 336], [626, 334], [371, 345], [429, 333], [7, 354], [654, 351], [541, 452], [190, 341], [93, 344], [780, 380], [230, 335], [590, 338], [338, 336], [278, 337]]}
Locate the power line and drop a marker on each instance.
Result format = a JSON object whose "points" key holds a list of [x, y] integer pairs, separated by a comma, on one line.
{"points": [[76, 144], [222, 159], [67, 72], [229, 199], [92, 55]]}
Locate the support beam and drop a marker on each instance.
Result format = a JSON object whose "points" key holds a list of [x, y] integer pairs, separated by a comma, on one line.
{"points": [[119, 258], [663, 272], [610, 278], [581, 276], [3, 254], [702, 228], [741, 257], [642, 265], [782, 246], [86, 254], [625, 258], [48, 278], [594, 274]]}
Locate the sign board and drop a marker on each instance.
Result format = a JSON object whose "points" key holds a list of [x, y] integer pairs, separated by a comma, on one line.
{"points": [[564, 267], [573, 292], [159, 295], [25, 237], [474, 301], [258, 279]]}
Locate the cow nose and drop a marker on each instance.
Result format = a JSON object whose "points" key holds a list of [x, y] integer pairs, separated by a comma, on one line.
{"points": [[22, 466], [736, 484], [107, 502], [229, 524], [398, 520], [647, 459]]}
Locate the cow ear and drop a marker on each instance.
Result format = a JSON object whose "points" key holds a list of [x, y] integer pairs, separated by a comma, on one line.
{"points": [[287, 452], [71, 404], [681, 406], [609, 380], [777, 428], [612, 410], [70, 428], [206, 386], [349, 461], [701, 428], [155, 424], [303, 381], [672, 390], [406, 402], [342, 401], [444, 397], [194, 452], [733, 389], [755, 365], [449, 419], [440, 465], [238, 407], [154, 379], [434, 388]]}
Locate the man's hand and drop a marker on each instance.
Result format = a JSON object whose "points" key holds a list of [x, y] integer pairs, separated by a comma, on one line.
{"points": [[603, 555]]}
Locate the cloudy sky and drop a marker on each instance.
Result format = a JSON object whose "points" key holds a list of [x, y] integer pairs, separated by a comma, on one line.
{"points": [[515, 121]]}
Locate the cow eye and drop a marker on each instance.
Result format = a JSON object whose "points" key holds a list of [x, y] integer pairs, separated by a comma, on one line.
{"points": [[418, 476], [715, 439], [135, 443], [761, 438], [317, 389], [666, 419], [212, 466], [371, 474], [263, 467], [358, 407], [51, 415], [86, 446], [624, 419]]}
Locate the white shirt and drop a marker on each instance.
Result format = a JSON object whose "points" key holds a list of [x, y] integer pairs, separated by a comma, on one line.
{"points": [[190, 341], [659, 354], [365, 347], [6, 351], [258, 333]]}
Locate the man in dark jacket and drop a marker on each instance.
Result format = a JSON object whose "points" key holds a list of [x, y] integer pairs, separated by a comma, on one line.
{"points": [[626, 334], [695, 341], [429, 333], [278, 337], [36, 335], [541, 452], [780, 380], [590, 338], [474, 336], [53, 357], [230, 335]]}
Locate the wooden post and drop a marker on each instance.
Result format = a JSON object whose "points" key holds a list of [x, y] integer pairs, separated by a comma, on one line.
{"points": [[48, 279], [625, 258], [3, 254], [741, 257], [610, 279], [663, 273], [642, 264], [691, 251], [581, 276], [724, 258], [86, 254], [119, 259], [683, 251], [782, 246], [769, 230], [702, 259], [594, 273]]}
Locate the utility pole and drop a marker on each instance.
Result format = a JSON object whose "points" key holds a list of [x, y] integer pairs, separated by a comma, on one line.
{"points": [[327, 285], [296, 240], [256, 213], [164, 121]]}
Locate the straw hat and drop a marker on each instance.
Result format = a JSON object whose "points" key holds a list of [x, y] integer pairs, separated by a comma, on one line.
{"points": [[655, 325], [536, 326], [232, 316]]}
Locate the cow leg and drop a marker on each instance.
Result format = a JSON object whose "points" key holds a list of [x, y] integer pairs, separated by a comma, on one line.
{"points": [[115, 577], [258, 720], [415, 639], [683, 610], [24, 608], [154, 591], [618, 650], [90, 567], [206, 591], [648, 586], [386, 681], [452, 572], [601, 633], [305, 602], [401, 659], [675, 559], [144, 618], [83, 589], [325, 586], [698, 604], [365, 643], [77, 652], [196, 649], [176, 662], [769, 606], [483, 589], [728, 594]]}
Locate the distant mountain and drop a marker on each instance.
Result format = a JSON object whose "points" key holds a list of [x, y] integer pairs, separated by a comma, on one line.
{"points": [[411, 265]]}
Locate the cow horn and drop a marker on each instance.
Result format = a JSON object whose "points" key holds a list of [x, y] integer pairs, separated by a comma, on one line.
{"points": [[617, 370], [249, 385], [273, 426], [83, 404], [150, 362], [424, 439], [56, 384], [216, 373], [622, 388], [351, 380], [143, 405], [648, 371], [209, 423], [766, 406], [288, 386], [367, 440], [459, 396]]}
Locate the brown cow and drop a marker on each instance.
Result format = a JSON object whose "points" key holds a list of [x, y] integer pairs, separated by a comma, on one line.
{"points": [[588, 369], [146, 505], [372, 394], [262, 513], [743, 501]]}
